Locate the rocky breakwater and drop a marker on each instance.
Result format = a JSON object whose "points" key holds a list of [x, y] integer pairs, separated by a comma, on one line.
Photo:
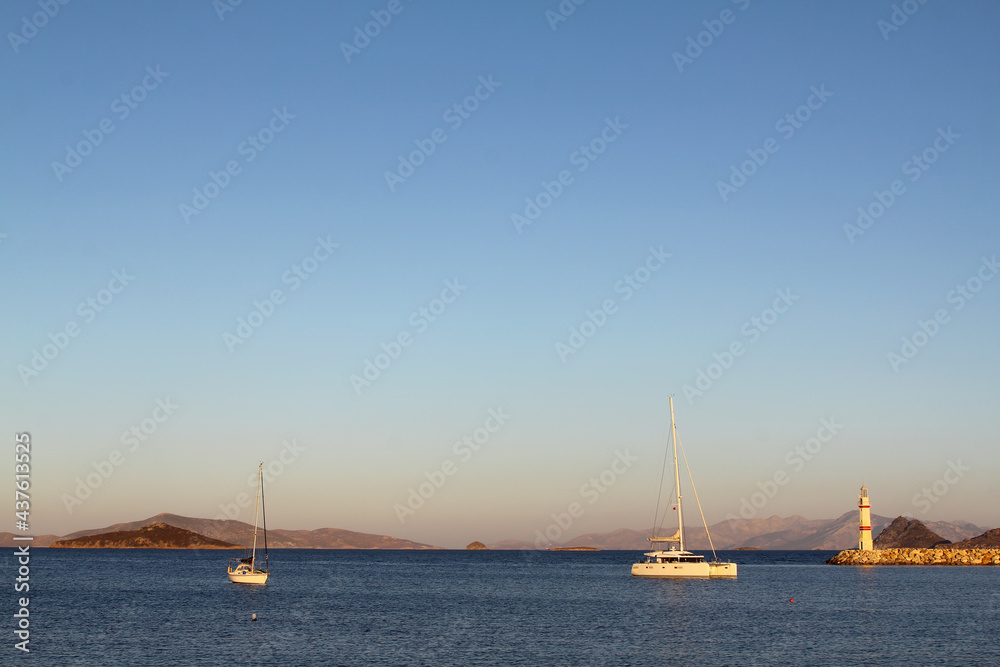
{"points": [[917, 557]]}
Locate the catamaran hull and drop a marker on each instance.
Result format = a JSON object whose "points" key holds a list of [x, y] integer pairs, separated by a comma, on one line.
{"points": [[685, 570], [257, 577], [671, 570], [722, 570]]}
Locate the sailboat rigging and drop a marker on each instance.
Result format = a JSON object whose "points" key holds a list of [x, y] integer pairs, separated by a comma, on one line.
{"points": [[244, 570], [675, 562]]}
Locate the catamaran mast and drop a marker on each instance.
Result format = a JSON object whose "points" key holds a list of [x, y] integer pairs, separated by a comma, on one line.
{"points": [[677, 479], [263, 516], [256, 509]]}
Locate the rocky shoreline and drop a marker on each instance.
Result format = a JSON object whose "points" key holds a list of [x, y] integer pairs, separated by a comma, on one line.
{"points": [[917, 557]]}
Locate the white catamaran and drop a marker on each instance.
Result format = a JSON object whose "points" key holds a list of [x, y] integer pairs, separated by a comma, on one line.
{"points": [[675, 562], [244, 570]]}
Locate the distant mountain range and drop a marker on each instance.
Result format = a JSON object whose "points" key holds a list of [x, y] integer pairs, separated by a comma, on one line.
{"points": [[792, 533]]}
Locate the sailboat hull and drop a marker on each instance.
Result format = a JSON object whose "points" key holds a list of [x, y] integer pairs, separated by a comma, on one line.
{"points": [[255, 577]]}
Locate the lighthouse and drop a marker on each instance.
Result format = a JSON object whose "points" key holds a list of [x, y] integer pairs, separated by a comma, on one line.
{"points": [[865, 529]]}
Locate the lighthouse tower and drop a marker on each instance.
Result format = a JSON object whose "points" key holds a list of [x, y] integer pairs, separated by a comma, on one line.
{"points": [[865, 531]]}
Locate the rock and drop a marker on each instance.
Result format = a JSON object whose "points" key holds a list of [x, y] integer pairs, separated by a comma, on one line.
{"points": [[476, 546], [905, 533]]}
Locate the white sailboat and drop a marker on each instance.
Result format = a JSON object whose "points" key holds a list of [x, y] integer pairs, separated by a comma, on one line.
{"points": [[675, 562], [244, 570]]}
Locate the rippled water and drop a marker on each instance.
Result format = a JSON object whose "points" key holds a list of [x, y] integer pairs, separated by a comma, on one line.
{"points": [[106, 607]]}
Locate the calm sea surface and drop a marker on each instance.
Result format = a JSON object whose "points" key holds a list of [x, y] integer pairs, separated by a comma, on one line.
{"points": [[132, 607]]}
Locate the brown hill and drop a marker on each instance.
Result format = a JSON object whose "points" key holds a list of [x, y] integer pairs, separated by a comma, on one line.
{"points": [[153, 536], [905, 533], [988, 540], [241, 533]]}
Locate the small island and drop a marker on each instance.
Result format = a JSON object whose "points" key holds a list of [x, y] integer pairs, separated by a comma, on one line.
{"points": [[476, 546], [574, 549], [153, 536]]}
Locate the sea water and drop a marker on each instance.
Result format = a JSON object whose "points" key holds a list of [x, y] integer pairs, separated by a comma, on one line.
{"points": [[327, 607]]}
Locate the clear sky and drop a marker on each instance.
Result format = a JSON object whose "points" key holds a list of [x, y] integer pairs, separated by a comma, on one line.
{"points": [[689, 174]]}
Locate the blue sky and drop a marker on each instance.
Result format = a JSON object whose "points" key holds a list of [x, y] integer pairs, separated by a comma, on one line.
{"points": [[887, 96]]}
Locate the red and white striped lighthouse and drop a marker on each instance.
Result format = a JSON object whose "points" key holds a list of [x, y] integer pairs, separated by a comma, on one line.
{"points": [[865, 529]]}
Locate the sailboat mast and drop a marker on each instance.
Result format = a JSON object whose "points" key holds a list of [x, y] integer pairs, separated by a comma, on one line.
{"points": [[677, 478], [256, 509]]}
